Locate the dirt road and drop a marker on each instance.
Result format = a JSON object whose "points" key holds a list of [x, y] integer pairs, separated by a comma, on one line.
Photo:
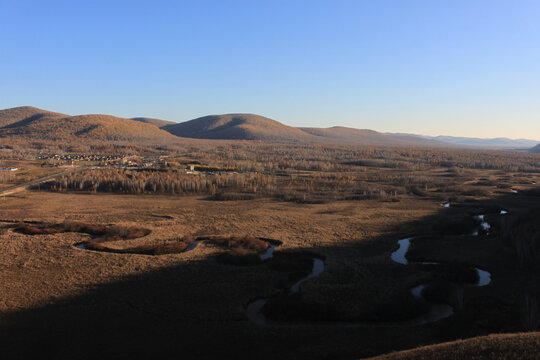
{"points": [[21, 187]]}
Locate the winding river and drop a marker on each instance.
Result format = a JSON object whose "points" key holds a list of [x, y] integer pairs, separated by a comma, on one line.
{"points": [[435, 312], [438, 311], [254, 309]]}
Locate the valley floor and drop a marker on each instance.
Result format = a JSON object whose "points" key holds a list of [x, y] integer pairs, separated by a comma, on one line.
{"points": [[64, 302]]}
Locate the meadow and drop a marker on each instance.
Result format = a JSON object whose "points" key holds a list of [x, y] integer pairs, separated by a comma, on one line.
{"points": [[171, 258]]}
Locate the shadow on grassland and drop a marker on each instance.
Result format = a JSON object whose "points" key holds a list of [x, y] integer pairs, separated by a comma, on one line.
{"points": [[196, 310]]}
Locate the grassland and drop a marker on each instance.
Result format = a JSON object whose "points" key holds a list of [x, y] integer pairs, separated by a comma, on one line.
{"points": [[28, 170], [493, 347], [75, 303]]}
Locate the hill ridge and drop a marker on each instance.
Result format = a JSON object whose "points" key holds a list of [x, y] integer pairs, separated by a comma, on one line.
{"points": [[237, 126], [34, 123], [157, 122]]}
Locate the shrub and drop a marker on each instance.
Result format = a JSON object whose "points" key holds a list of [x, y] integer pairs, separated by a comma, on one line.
{"points": [[104, 232], [247, 242]]}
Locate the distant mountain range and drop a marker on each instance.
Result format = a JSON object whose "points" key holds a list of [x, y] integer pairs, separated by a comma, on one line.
{"points": [[33, 123], [487, 143], [255, 127]]}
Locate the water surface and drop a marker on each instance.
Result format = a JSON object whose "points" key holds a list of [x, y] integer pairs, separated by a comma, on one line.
{"points": [[399, 255], [484, 277], [318, 268], [268, 254], [191, 246]]}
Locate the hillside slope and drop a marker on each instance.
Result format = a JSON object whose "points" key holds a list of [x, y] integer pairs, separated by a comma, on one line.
{"points": [[238, 127], [45, 125], [32, 123], [369, 137], [157, 122], [535, 149], [519, 346], [256, 127], [28, 113]]}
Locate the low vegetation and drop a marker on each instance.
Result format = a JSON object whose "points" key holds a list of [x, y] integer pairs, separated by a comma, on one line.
{"points": [[102, 233], [492, 347], [149, 249], [366, 198], [312, 174]]}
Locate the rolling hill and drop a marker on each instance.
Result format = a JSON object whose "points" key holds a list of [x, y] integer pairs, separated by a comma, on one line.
{"points": [[157, 122], [33, 123], [238, 127], [256, 127], [28, 113], [535, 149]]}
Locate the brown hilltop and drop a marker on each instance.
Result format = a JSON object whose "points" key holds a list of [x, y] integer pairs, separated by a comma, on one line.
{"points": [[157, 122], [256, 127], [35, 123], [28, 113], [238, 127]]}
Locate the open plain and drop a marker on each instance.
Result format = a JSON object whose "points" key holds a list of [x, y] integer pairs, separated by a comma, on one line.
{"points": [[68, 301]]}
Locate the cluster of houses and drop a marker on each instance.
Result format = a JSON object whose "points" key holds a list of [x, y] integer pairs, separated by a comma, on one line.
{"points": [[80, 157], [131, 161], [101, 160]]}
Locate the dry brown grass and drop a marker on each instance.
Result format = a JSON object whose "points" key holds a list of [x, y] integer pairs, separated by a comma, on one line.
{"points": [[239, 249], [103, 233], [245, 244], [524, 346], [148, 249], [47, 125], [356, 236]]}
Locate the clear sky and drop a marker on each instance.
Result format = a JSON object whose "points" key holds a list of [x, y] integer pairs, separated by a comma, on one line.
{"points": [[466, 68]]}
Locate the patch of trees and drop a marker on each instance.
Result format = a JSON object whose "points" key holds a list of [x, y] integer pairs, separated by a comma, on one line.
{"points": [[264, 157], [309, 188], [152, 182]]}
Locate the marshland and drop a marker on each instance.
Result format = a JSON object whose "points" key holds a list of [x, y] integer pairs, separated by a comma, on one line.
{"points": [[297, 244]]}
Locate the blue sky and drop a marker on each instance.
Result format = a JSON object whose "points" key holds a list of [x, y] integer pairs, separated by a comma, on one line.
{"points": [[466, 68]]}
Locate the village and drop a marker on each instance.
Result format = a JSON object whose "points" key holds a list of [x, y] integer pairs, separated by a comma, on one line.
{"points": [[133, 162], [19, 174]]}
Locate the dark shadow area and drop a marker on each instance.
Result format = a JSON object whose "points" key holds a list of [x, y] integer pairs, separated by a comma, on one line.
{"points": [[27, 121], [192, 310]]}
